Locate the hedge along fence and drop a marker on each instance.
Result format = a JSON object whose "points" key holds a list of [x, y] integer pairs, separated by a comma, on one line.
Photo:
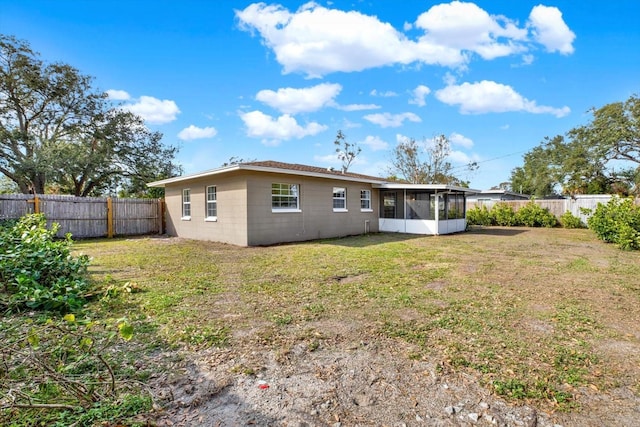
{"points": [[556, 206], [89, 216]]}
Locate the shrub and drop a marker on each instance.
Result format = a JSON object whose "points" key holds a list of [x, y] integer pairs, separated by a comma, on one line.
{"points": [[617, 222], [479, 215], [532, 215], [38, 270], [503, 214], [568, 220]]}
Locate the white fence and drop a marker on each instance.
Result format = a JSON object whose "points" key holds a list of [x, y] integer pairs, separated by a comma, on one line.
{"points": [[557, 207]]}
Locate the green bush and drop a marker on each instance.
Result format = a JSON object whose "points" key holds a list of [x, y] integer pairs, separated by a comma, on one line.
{"points": [[37, 270], [532, 215], [479, 215], [503, 214], [568, 220], [617, 222]]}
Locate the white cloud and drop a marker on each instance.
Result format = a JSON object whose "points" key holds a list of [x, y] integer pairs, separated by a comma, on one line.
{"points": [[117, 95], [386, 94], [419, 93], [458, 157], [194, 132], [154, 110], [292, 101], [550, 30], [491, 97], [318, 40], [358, 107], [328, 159], [461, 140], [273, 130], [461, 27], [386, 120], [400, 139], [375, 143]]}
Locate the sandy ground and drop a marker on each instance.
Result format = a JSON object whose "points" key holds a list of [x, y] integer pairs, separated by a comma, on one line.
{"points": [[354, 384]]}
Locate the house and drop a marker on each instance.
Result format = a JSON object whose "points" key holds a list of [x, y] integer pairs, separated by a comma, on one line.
{"points": [[267, 202], [490, 197]]}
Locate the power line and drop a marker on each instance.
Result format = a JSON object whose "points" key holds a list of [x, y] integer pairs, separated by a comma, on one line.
{"points": [[490, 160]]}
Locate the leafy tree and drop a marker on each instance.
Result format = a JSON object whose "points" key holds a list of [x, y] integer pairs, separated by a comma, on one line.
{"points": [[347, 151], [537, 176], [56, 128], [425, 163], [583, 162], [7, 186], [614, 130]]}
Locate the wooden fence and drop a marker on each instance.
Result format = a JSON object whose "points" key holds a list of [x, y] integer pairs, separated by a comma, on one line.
{"points": [[556, 206], [89, 216]]}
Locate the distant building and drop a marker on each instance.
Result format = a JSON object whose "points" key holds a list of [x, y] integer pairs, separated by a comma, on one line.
{"points": [[489, 197]]}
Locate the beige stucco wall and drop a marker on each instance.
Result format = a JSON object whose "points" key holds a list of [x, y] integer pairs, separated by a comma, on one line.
{"points": [[316, 219], [231, 225], [245, 217]]}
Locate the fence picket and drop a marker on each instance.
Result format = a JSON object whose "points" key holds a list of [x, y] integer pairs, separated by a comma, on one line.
{"points": [[88, 216]]}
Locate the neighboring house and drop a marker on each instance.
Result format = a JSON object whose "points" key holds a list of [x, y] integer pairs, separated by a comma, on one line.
{"points": [[265, 203], [489, 197]]}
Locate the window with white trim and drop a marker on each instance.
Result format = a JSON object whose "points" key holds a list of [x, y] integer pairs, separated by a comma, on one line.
{"points": [[186, 203], [339, 199], [365, 200], [212, 203], [285, 197]]}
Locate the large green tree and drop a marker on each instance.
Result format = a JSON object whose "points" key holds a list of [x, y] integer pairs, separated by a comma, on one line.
{"points": [[57, 130], [425, 162], [602, 156]]}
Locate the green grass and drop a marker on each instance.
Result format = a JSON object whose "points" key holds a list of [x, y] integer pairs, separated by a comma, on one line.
{"points": [[526, 311]]}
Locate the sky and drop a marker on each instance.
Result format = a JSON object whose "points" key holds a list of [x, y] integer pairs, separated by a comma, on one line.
{"points": [[277, 80]]}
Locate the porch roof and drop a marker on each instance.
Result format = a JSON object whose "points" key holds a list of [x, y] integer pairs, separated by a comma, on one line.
{"points": [[445, 188]]}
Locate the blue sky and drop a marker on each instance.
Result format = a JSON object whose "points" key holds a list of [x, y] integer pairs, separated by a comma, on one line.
{"points": [[277, 80]]}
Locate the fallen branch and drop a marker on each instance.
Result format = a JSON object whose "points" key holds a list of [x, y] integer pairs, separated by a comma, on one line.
{"points": [[40, 406]]}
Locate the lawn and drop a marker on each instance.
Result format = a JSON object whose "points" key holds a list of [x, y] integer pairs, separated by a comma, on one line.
{"points": [[546, 317]]}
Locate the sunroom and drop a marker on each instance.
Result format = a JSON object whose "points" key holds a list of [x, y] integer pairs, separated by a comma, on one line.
{"points": [[422, 208]]}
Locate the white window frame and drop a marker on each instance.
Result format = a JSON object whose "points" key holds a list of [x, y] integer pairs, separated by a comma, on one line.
{"points": [[365, 202], [292, 192], [186, 204], [340, 199], [211, 203]]}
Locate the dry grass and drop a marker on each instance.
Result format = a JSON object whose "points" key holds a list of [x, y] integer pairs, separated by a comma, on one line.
{"points": [[534, 314]]}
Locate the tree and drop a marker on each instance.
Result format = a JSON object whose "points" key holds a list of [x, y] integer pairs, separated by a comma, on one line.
{"points": [[234, 160], [614, 130], [584, 162], [426, 162], [56, 128], [347, 152]]}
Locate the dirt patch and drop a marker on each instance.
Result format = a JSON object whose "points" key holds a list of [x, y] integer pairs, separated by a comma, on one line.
{"points": [[366, 386]]}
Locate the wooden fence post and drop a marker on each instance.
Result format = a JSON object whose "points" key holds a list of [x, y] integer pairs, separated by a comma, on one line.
{"points": [[109, 218], [161, 213]]}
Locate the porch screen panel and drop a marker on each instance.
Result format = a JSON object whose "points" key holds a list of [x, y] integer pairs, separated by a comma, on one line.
{"points": [[418, 205]]}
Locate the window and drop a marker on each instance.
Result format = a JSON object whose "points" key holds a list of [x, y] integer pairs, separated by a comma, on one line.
{"points": [[389, 205], [285, 197], [186, 203], [365, 200], [339, 199], [212, 203]]}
